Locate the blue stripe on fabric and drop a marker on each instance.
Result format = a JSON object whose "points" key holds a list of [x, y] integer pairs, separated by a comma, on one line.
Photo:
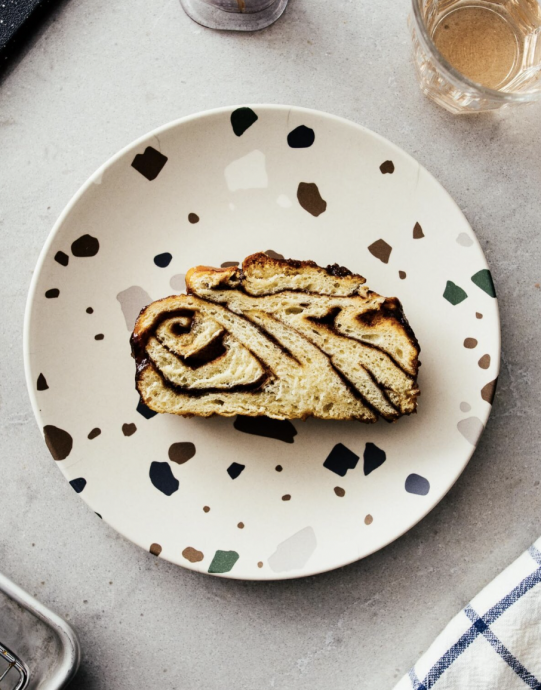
{"points": [[514, 595], [480, 627], [535, 554], [521, 671], [449, 657], [415, 682]]}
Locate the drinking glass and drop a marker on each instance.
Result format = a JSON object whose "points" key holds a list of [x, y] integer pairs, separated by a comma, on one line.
{"points": [[477, 55]]}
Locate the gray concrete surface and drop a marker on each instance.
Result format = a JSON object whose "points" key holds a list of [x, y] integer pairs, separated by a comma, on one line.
{"points": [[98, 75]]}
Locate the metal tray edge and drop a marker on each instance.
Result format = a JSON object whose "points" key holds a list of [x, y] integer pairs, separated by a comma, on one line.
{"points": [[71, 650]]}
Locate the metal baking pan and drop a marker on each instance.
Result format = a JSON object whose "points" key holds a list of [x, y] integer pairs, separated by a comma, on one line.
{"points": [[41, 649]]}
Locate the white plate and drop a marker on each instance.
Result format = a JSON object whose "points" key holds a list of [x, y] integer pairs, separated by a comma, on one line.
{"points": [[385, 217]]}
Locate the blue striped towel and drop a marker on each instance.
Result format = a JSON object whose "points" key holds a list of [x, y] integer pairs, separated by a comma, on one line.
{"points": [[495, 642]]}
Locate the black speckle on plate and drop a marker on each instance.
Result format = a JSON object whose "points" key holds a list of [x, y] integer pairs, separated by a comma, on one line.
{"points": [[150, 163]]}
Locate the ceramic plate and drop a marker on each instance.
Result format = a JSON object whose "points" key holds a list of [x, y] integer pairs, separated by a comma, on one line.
{"points": [[224, 495]]}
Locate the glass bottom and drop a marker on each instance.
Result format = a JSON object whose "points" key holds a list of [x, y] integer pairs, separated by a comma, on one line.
{"points": [[216, 18], [481, 43]]}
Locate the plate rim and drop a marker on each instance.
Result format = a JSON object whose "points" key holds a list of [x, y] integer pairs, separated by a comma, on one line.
{"points": [[173, 124]]}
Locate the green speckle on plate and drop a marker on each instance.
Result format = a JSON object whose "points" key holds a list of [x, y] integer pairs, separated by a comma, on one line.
{"points": [[223, 561], [454, 293], [483, 279]]}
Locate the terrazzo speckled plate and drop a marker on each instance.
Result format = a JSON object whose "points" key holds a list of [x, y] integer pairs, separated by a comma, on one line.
{"points": [[244, 499]]}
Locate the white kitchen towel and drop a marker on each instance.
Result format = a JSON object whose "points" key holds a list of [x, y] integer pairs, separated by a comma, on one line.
{"points": [[495, 642]]}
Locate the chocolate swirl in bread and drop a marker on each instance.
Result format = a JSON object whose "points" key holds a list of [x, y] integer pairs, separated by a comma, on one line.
{"points": [[286, 339]]}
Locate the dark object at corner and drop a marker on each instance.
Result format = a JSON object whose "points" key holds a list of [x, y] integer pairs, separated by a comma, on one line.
{"points": [[20, 18]]}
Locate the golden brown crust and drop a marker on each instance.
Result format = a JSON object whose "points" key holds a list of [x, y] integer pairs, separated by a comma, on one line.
{"points": [[261, 274], [264, 261], [218, 276]]}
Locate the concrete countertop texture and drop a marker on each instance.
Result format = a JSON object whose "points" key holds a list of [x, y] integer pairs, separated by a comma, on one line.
{"points": [[97, 75]]}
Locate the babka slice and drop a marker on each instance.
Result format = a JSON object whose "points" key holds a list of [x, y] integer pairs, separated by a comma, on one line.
{"points": [[282, 338]]}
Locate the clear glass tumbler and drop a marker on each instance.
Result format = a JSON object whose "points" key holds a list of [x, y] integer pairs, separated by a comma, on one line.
{"points": [[477, 55]]}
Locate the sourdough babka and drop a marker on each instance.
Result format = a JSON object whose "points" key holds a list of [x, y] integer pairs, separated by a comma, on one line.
{"points": [[282, 338]]}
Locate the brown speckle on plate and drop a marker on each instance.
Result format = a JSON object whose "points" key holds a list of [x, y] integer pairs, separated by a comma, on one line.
{"points": [[488, 391], [418, 233], [59, 442], [381, 250], [181, 452], [129, 429], [155, 549], [484, 362], [310, 199], [193, 555]]}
